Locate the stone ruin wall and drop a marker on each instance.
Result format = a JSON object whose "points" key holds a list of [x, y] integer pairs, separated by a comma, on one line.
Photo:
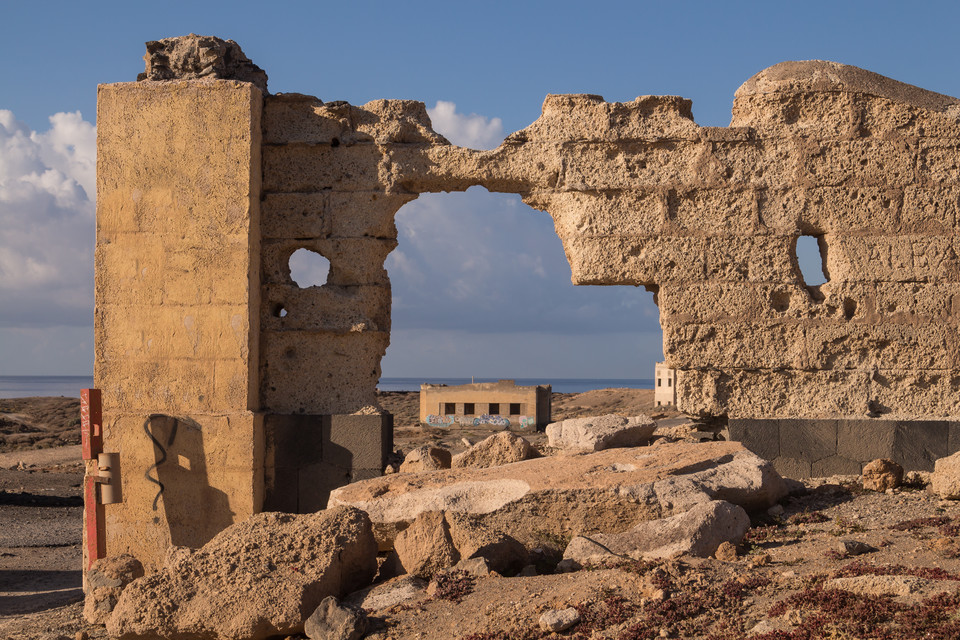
{"points": [[209, 355], [706, 217]]}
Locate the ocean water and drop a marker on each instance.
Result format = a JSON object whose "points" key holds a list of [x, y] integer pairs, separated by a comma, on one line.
{"points": [[26, 386], [560, 385]]}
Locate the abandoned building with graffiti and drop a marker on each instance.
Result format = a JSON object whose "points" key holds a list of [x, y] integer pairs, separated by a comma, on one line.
{"points": [[224, 388]]}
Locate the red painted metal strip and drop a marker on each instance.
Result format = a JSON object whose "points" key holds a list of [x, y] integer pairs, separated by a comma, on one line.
{"points": [[91, 423], [92, 522]]}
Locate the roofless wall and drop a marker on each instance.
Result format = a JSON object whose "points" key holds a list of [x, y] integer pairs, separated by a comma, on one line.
{"points": [[228, 389]]}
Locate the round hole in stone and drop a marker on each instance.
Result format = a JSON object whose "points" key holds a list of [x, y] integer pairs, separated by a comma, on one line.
{"points": [[308, 268], [279, 311]]}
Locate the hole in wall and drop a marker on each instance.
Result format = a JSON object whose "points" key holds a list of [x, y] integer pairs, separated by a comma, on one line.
{"points": [[308, 268], [780, 300], [481, 287], [811, 258], [279, 311]]}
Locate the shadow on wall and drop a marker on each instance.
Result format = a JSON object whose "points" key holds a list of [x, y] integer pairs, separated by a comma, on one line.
{"points": [[194, 511]]}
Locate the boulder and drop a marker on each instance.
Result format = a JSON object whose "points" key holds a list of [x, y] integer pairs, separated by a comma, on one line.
{"points": [[698, 532], [426, 458], [106, 580], [437, 540], [499, 449], [882, 474], [602, 432], [542, 500], [426, 547], [255, 579], [945, 481], [333, 621]]}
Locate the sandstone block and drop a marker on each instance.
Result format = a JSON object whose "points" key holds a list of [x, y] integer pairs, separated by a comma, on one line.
{"points": [[498, 449], [255, 579], [697, 532], [603, 432], [945, 481], [541, 499]]}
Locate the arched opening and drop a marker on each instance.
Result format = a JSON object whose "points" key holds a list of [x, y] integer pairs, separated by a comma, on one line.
{"points": [[481, 290]]}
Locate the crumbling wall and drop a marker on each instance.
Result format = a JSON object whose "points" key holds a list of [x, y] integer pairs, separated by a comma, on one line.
{"points": [[207, 185]]}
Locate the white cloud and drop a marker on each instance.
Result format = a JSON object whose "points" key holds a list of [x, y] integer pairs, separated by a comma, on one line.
{"points": [[47, 185], [474, 131]]}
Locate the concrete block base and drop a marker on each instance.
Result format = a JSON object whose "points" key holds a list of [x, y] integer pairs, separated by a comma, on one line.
{"points": [[802, 448], [307, 456]]}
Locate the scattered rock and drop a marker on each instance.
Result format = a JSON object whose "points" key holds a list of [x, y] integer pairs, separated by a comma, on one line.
{"points": [[568, 565], [559, 620], [775, 511], [333, 621], [499, 449], [916, 478], [882, 474], [388, 594], [727, 552], [437, 540], [698, 532], [854, 547], [945, 481], [477, 567], [598, 433], [540, 500], [528, 571], [106, 580], [426, 547], [255, 579], [426, 458]]}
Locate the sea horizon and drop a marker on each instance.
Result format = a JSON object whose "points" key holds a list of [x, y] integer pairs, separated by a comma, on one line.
{"points": [[70, 386]]}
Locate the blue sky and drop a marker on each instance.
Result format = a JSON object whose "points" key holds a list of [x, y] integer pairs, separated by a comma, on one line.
{"points": [[496, 300]]}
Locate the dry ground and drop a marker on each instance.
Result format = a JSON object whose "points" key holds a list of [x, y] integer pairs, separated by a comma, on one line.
{"points": [[778, 588]]}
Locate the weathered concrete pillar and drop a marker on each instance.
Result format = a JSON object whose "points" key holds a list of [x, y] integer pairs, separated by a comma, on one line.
{"points": [[177, 308]]}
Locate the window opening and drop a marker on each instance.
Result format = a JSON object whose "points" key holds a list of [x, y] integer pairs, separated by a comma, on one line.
{"points": [[514, 408], [449, 408], [493, 408], [468, 408], [308, 268], [811, 258]]}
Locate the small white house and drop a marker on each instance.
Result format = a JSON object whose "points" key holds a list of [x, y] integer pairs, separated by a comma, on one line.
{"points": [[665, 389]]}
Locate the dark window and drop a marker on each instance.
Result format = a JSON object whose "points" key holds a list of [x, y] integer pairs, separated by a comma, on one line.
{"points": [[494, 408], [669, 381], [449, 408], [468, 409], [514, 408], [659, 381]]}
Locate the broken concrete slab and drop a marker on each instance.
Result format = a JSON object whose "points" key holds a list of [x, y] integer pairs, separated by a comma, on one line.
{"points": [[697, 532], [538, 501], [255, 579], [600, 432]]}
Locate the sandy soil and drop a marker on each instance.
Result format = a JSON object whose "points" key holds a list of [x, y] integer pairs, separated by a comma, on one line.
{"points": [[779, 587]]}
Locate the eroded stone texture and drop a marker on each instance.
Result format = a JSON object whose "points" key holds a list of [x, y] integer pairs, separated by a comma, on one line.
{"points": [[193, 56], [707, 217]]}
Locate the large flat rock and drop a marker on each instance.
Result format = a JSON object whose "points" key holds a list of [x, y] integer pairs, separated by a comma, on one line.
{"points": [[550, 500]]}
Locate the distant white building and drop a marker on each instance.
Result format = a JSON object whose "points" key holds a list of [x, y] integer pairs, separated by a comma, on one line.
{"points": [[665, 391]]}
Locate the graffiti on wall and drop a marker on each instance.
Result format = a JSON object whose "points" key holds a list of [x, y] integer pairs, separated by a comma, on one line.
{"points": [[450, 421]]}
